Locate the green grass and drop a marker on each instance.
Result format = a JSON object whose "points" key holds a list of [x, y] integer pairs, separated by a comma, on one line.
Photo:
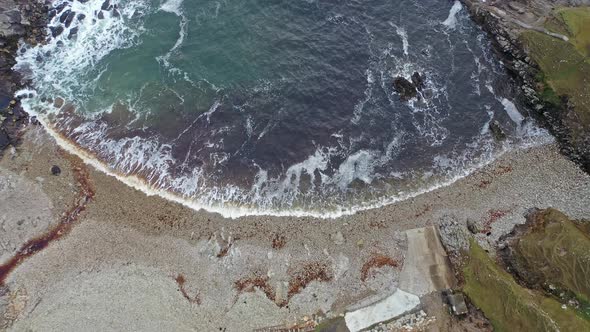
{"points": [[565, 70], [509, 306], [558, 252], [577, 23]]}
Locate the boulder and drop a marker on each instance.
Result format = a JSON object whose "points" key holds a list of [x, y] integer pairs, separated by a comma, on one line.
{"points": [[4, 139], [106, 5], [56, 31], [58, 103], [55, 170], [64, 16], [418, 81], [497, 131], [69, 19], [404, 88], [73, 32]]}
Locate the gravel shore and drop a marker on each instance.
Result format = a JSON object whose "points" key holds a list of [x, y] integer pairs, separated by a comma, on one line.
{"points": [[193, 270]]}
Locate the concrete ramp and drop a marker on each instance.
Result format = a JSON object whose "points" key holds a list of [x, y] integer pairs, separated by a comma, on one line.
{"points": [[426, 266], [389, 308]]}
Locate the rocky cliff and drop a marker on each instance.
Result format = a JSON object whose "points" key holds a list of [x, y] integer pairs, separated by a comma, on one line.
{"points": [[545, 44]]}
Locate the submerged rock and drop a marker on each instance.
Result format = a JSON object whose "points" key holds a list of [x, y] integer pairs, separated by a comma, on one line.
{"points": [[69, 19], [56, 31], [418, 80], [64, 16], [497, 131], [73, 33], [58, 103]]}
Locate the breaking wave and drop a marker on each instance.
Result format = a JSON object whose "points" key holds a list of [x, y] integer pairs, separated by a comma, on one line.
{"points": [[293, 136]]}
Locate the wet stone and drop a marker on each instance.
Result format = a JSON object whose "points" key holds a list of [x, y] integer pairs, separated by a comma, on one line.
{"points": [[64, 16], [56, 31], [55, 170], [404, 88]]}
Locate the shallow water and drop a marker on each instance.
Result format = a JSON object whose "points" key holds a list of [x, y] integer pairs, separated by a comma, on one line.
{"points": [[276, 107]]}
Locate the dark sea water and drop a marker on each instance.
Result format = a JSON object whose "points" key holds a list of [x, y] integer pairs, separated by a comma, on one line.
{"points": [[278, 107]]}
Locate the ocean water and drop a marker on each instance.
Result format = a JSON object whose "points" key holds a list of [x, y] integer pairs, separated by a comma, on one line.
{"points": [[273, 107]]}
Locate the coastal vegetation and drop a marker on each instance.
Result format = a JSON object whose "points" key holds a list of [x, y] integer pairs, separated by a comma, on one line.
{"points": [[510, 306], [553, 255], [564, 65]]}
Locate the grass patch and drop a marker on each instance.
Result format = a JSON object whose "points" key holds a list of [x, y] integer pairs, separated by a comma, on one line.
{"points": [[565, 71], [509, 306], [576, 22], [557, 252]]}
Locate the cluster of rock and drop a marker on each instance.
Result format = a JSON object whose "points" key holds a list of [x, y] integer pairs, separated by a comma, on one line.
{"points": [[66, 17], [408, 89], [19, 19]]}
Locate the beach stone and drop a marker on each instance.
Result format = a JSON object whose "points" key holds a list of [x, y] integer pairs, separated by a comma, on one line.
{"points": [[4, 139], [472, 226], [58, 103], [337, 238], [55, 170]]}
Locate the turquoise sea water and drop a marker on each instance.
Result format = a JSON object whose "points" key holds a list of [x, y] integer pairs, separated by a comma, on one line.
{"points": [[275, 106]]}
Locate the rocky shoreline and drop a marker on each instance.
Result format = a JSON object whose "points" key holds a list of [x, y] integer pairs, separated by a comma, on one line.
{"points": [[104, 247], [504, 22], [19, 20]]}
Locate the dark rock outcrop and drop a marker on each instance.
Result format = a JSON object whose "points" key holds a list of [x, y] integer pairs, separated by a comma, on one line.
{"points": [[497, 131], [19, 20], [418, 80], [404, 88], [502, 22], [409, 89]]}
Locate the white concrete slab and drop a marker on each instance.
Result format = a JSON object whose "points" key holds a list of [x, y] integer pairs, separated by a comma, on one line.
{"points": [[391, 307]]}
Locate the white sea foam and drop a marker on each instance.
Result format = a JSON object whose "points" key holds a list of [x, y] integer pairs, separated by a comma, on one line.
{"points": [[451, 21], [65, 60], [146, 163], [139, 155], [172, 6], [512, 111], [403, 35], [359, 107]]}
